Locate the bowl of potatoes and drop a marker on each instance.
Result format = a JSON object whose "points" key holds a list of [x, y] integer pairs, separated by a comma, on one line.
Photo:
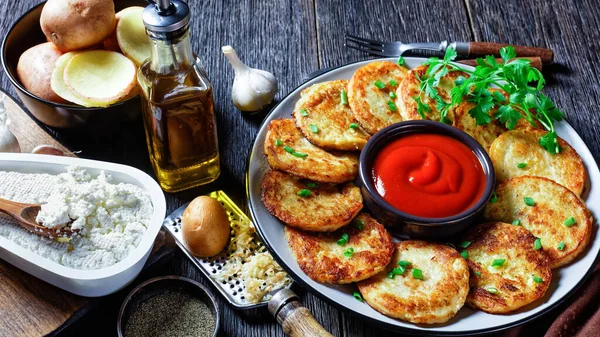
{"points": [[73, 63]]}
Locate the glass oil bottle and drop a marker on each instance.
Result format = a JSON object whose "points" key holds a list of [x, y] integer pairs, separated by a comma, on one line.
{"points": [[177, 102]]}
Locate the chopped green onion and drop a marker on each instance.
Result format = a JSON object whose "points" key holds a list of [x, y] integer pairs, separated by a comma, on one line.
{"points": [[465, 244], [353, 125], [569, 222], [494, 197], [359, 225], [299, 155], [516, 222], [529, 201], [303, 112], [379, 84], [344, 97], [417, 273], [561, 246], [304, 193], [393, 94], [278, 142], [404, 263], [522, 165], [498, 262], [357, 296], [313, 128], [492, 290], [312, 184], [397, 271], [343, 239], [391, 274], [401, 61], [478, 274], [538, 279], [349, 252], [537, 244], [450, 244], [288, 149], [464, 254], [392, 106], [393, 83]]}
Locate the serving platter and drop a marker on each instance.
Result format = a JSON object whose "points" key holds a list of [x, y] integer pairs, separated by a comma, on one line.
{"points": [[467, 322]]}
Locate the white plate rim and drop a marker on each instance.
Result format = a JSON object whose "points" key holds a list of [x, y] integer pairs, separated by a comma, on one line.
{"points": [[397, 325]]}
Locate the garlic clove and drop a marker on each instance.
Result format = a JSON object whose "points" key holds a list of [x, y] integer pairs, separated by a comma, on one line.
{"points": [[8, 141], [252, 89]]}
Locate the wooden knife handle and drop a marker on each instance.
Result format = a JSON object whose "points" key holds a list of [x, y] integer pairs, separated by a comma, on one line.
{"points": [[296, 320], [536, 62], [479, 49]]}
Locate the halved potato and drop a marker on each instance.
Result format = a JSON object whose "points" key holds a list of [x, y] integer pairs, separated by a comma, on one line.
{"points": [[131, 36], [100, 76]]}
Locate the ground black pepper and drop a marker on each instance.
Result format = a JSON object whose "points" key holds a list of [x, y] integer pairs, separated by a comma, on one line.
{"points": [[156, 317]]}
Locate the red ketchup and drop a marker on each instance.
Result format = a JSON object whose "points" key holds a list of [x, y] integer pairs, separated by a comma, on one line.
{"points": [[428, 175]]}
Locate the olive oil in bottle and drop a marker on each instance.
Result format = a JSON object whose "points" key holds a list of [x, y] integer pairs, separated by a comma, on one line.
{"points": [[177, 103]]}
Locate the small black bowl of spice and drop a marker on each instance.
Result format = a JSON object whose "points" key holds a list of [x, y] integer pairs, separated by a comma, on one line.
{"points": [[169, 306]]}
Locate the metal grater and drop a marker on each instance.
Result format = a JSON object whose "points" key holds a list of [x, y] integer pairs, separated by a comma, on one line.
{"points": [[232, 289]]}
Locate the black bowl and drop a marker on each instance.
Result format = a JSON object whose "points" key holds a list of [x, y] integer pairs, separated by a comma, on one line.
{"points": [[406, 225], [26, 33], [159, 285]]}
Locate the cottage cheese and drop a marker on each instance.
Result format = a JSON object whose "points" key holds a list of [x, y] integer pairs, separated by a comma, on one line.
{"points": [[112, 218]]}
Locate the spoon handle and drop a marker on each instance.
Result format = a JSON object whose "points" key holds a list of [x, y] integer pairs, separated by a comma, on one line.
{"points": [[11, 207]]}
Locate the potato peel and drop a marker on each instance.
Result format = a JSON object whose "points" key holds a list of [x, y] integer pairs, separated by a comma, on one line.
{"points": [[131, 35], [100, 77]]}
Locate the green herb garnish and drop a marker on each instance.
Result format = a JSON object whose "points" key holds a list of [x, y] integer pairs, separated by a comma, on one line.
{"points": [[304, 193], [404, 263], [343, 239], [359, 224], [278, 142], [354, 126], [312, 184], [417, 273], [537, 244], [561, 246], [522, 165], [494, 197], [478, 274], [401, 61], [392, 106], [515, 77], [393, 83], [344, 97], [313, 128], [464, 254], [379, 84], [303, 112], [299, 155], [393, 94], [529, 201], [464, 244], [357, 296], [492, 290], [349, 252], [538, 279], [516, 222], [570, 221], [288, 149], [498, 263]]}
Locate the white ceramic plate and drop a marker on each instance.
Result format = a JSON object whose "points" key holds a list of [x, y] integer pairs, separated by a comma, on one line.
{"points": [[467, 322], [98, 282]]}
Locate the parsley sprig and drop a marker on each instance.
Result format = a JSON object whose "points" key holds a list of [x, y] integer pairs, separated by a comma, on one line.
{"points": [[516, 77]]}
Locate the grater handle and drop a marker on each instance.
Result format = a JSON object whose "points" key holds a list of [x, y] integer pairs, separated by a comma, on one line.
{"points": [[296, 320]]}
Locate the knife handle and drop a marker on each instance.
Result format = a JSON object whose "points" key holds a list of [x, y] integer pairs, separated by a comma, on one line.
{"points": [[536, 62], [296, 320], [480, 49]]}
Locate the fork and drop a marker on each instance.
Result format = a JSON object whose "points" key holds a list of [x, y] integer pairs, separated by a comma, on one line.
{"points": [[463, 49]]}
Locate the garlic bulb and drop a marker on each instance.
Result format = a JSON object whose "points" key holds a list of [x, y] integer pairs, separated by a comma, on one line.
{"points": [[8, 141], [253, 89]]}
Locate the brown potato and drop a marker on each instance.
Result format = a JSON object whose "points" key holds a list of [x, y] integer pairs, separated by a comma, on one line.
{"points": [[205, 227], [35, 70], [77, 24]]}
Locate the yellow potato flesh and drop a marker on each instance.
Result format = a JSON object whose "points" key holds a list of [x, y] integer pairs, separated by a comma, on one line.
{"points": [[60, 87], [131, 36], [100, 76]]}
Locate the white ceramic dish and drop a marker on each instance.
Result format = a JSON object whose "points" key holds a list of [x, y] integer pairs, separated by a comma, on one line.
{"points": [[467, 322], [90, 283]]}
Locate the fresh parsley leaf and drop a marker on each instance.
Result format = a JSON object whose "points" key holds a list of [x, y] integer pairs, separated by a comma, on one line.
{"points": [[507, 53], [508, 116], [422, 108], [481, 118], [550, 142], [450, 55]]}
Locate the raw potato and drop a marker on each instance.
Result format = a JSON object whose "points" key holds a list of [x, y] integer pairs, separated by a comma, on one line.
{"points": [[131, 36], [205, 227], [100, 76], [35, 70], [59, 86], [111, 43], [77, 24]]}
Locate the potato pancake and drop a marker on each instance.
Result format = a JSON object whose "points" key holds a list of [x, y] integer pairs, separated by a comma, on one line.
{"points": [[350, 254], [435, 297], [518, 153], [327, 122], [552, 213], [409, 88], [370, 94], [507, 272], [287, 150], [325, 208]]}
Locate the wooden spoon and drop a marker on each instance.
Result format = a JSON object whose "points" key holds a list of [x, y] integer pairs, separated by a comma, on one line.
{"points": [[26, 214]]}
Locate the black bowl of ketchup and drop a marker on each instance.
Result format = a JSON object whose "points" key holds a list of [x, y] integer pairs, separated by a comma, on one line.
{"points": [[425, 179]]}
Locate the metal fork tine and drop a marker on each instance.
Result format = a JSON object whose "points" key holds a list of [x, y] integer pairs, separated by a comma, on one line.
{"points": [[370, 51], [363, 46], [363, 40]]}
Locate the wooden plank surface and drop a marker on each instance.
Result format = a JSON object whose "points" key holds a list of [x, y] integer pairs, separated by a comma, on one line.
{"points": [[294, 38]]}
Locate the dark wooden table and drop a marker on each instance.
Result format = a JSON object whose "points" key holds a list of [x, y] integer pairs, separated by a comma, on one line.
{"points": [[294, 38]]}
